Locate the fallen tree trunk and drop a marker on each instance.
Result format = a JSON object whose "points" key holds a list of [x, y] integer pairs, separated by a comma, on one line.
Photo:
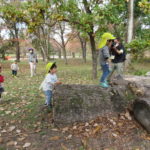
{"points": [[141, 109], [80, 103], [74, 103]]}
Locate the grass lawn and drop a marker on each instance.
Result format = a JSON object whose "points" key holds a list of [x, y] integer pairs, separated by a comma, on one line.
{"points": [[22, 100]]}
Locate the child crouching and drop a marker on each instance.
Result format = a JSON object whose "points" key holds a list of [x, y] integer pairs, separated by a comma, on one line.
{"points": [[49, 82]]}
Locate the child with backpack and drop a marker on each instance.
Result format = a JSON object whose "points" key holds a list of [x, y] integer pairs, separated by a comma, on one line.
{"points": [[49, 82]]}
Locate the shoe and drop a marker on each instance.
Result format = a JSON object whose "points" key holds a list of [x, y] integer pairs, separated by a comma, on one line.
{"points": [[50, 106], [104, 85], [106, 82]]}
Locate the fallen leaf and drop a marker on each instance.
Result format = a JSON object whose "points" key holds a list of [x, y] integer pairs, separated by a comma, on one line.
{"points": [[1, 140], [65, 129], [3, 131], [114, 135], [69, 137], [11, 128], [84, 143], [38, 130], [97, 129], [21, 139], [54, 129], [64, 147], [26, 145], [11, 143], [127, 115], [18, 131], [7, 112], [54, 138]]}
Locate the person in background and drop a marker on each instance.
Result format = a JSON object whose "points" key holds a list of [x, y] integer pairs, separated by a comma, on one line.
{"points": [[118, 57], [48, 83], [32, 61], [14, 68], [104, 53], [1, 83]]}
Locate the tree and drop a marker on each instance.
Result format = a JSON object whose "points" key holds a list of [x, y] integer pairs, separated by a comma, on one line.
{"points": [[88, 17], [13, 17], [39, 25]]}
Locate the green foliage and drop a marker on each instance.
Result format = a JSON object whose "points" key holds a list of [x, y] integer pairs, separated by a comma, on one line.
{"points": [[145, 6], [138, 47], [11, 13], [140, 72]]}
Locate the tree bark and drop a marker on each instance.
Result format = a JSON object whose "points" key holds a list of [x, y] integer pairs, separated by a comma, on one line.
{"points": [[130, 21], [17, 43], [94, 56], [83, 47], [80, 103], [92, 41], [17, 51], [63, 43], [59, 54]]}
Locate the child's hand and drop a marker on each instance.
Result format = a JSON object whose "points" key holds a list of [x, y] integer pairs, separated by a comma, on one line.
{"points": [[58, 82]]}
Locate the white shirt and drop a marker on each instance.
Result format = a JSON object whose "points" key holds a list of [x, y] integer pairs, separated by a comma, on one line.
{"points": [[14, 67], [48, 82]]}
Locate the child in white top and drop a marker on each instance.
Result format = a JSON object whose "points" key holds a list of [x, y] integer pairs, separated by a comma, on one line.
{"points": [[14, 68], [49, 82]]}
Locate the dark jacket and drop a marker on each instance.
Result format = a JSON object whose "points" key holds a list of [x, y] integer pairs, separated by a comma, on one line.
{"points": [[119, 57]]}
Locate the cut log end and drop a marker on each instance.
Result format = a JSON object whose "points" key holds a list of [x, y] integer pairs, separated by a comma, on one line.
{"points": [[141, 109]]}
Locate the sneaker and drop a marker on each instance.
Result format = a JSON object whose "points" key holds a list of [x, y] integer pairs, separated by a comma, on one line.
{"points": [[106, 82], [104, 85]]}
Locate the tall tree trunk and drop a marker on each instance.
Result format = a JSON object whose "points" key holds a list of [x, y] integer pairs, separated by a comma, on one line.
{"points": [[43, 57], [64, 54], [3, 54], [63, 44], [130, 21], [73, 55], [64, 49], [59, 54], [94, 56], [83, 47], [17, 44], [17, 51], [92, 41]]}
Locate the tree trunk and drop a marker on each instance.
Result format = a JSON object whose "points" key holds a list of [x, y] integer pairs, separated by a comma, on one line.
{"points": [[80, 103], [73, 55], [3, 54], [64, 54], [94, 56], [59, 54], [43, 57], [63, 44], [74, 103], [83, 46], [130, 21], [17, 44], [17, 51]]}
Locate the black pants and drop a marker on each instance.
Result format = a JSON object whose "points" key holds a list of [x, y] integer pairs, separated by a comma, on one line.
{"points": [[14, 72]]}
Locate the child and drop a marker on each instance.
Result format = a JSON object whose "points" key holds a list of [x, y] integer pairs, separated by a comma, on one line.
{"points": [[49, 82], [14, 68], [1, 81]]}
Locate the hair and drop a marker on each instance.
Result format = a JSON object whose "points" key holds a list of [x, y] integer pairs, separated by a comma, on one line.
{"points": [[31, 49], [109, 40], [53, 66], [16, 61], [119, 39]]}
